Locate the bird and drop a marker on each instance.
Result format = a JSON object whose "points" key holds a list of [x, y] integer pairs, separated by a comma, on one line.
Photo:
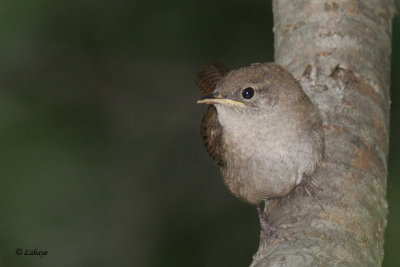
{"points": [[262, 130]]}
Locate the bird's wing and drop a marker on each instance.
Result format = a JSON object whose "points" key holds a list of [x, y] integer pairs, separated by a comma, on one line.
{"points": [[211, 130], [211, 133], [208, 78]]}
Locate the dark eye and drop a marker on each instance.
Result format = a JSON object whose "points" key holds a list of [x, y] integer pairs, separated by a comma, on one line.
{"points": [[248, 93]]}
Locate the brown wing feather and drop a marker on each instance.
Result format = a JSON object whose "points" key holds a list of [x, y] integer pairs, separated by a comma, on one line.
{"points": [[211, 134], [211, 130], [208, 78]]}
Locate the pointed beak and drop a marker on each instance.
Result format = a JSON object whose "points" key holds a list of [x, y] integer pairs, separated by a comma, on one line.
{"points": [[217, 98]]}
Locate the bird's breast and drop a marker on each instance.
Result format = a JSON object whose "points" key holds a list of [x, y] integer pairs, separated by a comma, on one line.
{"points": [[259, 159]]}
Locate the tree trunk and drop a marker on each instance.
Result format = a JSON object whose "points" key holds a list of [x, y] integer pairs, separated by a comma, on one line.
{"points": [[340, 52]]}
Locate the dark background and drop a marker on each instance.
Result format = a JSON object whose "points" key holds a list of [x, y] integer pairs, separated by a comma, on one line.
{"points": [[101, 158]]}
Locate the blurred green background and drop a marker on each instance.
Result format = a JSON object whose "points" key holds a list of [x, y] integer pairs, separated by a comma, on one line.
{"points": [[101, 159]]}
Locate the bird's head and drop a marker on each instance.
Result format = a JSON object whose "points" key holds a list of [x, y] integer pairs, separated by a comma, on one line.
{"points": [[258, 88]]}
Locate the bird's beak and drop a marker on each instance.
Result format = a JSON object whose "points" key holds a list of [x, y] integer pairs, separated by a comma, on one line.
{"points": [[217, 98]]}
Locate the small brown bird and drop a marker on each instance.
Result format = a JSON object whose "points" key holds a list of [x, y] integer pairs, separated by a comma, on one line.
{"points": [[262, 130]]}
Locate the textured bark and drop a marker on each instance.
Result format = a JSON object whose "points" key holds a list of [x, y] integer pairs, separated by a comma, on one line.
{"points": [[340, 52]]}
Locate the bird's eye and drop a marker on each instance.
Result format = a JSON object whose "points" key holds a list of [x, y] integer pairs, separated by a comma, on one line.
{"points": [[248, 93]]}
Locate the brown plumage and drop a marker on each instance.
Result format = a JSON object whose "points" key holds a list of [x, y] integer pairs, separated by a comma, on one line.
{"points": [[262, 129], [208, 78], [211, 131], [211, 134]]}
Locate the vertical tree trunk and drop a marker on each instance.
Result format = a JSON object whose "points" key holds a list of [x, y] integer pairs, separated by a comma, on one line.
{"points": [[340, 52]]}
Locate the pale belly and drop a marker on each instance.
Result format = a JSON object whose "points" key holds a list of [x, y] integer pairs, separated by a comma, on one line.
{"points": [[266, 168], [265, 157]]}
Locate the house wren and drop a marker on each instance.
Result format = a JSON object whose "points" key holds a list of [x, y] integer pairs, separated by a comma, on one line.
{"points": [[262, 130]]}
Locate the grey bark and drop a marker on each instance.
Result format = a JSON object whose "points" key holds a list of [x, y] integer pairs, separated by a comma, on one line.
{"points": [[340, 52]]}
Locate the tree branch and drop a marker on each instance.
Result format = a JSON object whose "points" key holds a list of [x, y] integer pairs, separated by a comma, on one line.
{"points": [[340, 52]]}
